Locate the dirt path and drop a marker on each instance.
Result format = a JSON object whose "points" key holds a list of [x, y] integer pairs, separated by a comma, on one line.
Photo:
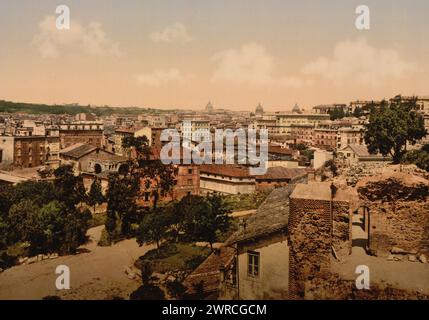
{"points": [[98, 273], [400, 274]]}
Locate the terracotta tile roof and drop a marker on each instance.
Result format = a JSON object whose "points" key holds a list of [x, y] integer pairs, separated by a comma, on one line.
{"points": [[362, 151], [279, 150], [209, 271], [229, 170], [77, 150]]}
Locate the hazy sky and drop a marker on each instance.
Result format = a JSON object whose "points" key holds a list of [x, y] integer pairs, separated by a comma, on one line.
{"points": [[236, 53]]}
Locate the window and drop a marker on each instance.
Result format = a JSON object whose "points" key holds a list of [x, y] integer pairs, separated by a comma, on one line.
{"points": [[146, 196], [253, 263]]}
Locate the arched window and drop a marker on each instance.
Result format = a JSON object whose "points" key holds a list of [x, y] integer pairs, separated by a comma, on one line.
{"points": [[97, 168]]}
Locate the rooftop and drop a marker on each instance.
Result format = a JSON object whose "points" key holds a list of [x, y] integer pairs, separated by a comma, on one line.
{"points": [[271, 216], [228, 170], [362, 151], [312, 191], [77, 150], [209, 271]]}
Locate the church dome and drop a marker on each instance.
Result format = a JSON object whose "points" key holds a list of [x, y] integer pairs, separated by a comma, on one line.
{"points": [[209, 107], [259, 109], [296, 109]]}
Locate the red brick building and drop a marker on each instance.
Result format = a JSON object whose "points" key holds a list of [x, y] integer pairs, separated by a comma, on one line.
{"points": [[25, 151]]}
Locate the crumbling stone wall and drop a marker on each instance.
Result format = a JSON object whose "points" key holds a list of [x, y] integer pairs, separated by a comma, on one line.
{"points": [[399, 211], [315, 227], [342, 227], [404, 224]]}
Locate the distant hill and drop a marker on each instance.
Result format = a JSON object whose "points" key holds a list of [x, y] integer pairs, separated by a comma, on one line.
{"points": [[32, 108]]}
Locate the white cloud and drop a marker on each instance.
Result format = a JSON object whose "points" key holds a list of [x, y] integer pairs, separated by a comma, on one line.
{"points": [[251, 64], [357, 61], [162, 77], [173, 33], [92, 39]]}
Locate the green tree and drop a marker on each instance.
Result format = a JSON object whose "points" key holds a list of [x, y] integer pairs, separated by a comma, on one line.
{"points": [[121, 205], [337, 113], [21, 219], [39, 192], [6, 193], [51, 228], [358, 112], [153, 227], [69, 187], [418, 157], [204, 218], [4, 234], [154, 175], [95, 195], [139, 144], [392, 126]]}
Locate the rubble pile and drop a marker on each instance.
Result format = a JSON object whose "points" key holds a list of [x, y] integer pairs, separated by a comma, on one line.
{"points": [[396, 186], [353, 174]]}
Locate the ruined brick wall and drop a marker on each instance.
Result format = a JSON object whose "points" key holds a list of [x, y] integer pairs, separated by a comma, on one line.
{"points": [[342, 227], [404, 224], [310, 241], [399, 207]]}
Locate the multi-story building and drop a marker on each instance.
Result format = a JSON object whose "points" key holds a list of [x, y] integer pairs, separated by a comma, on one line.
{"points": [[303, 133], [26, 151], [286, 121], [325, 138], [350, 135], [267, 123], [226, 179], [327, 108], [195, 130], [81, 132]]}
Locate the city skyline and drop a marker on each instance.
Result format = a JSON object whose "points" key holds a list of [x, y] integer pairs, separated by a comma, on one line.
{"points": [[181, 54]]}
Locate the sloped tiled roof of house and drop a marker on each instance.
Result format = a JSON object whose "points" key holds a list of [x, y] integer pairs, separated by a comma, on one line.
{"points": [[77, 150], [228, 170], [271, 216], [362, 151], [279, 150], [209, 271]]}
